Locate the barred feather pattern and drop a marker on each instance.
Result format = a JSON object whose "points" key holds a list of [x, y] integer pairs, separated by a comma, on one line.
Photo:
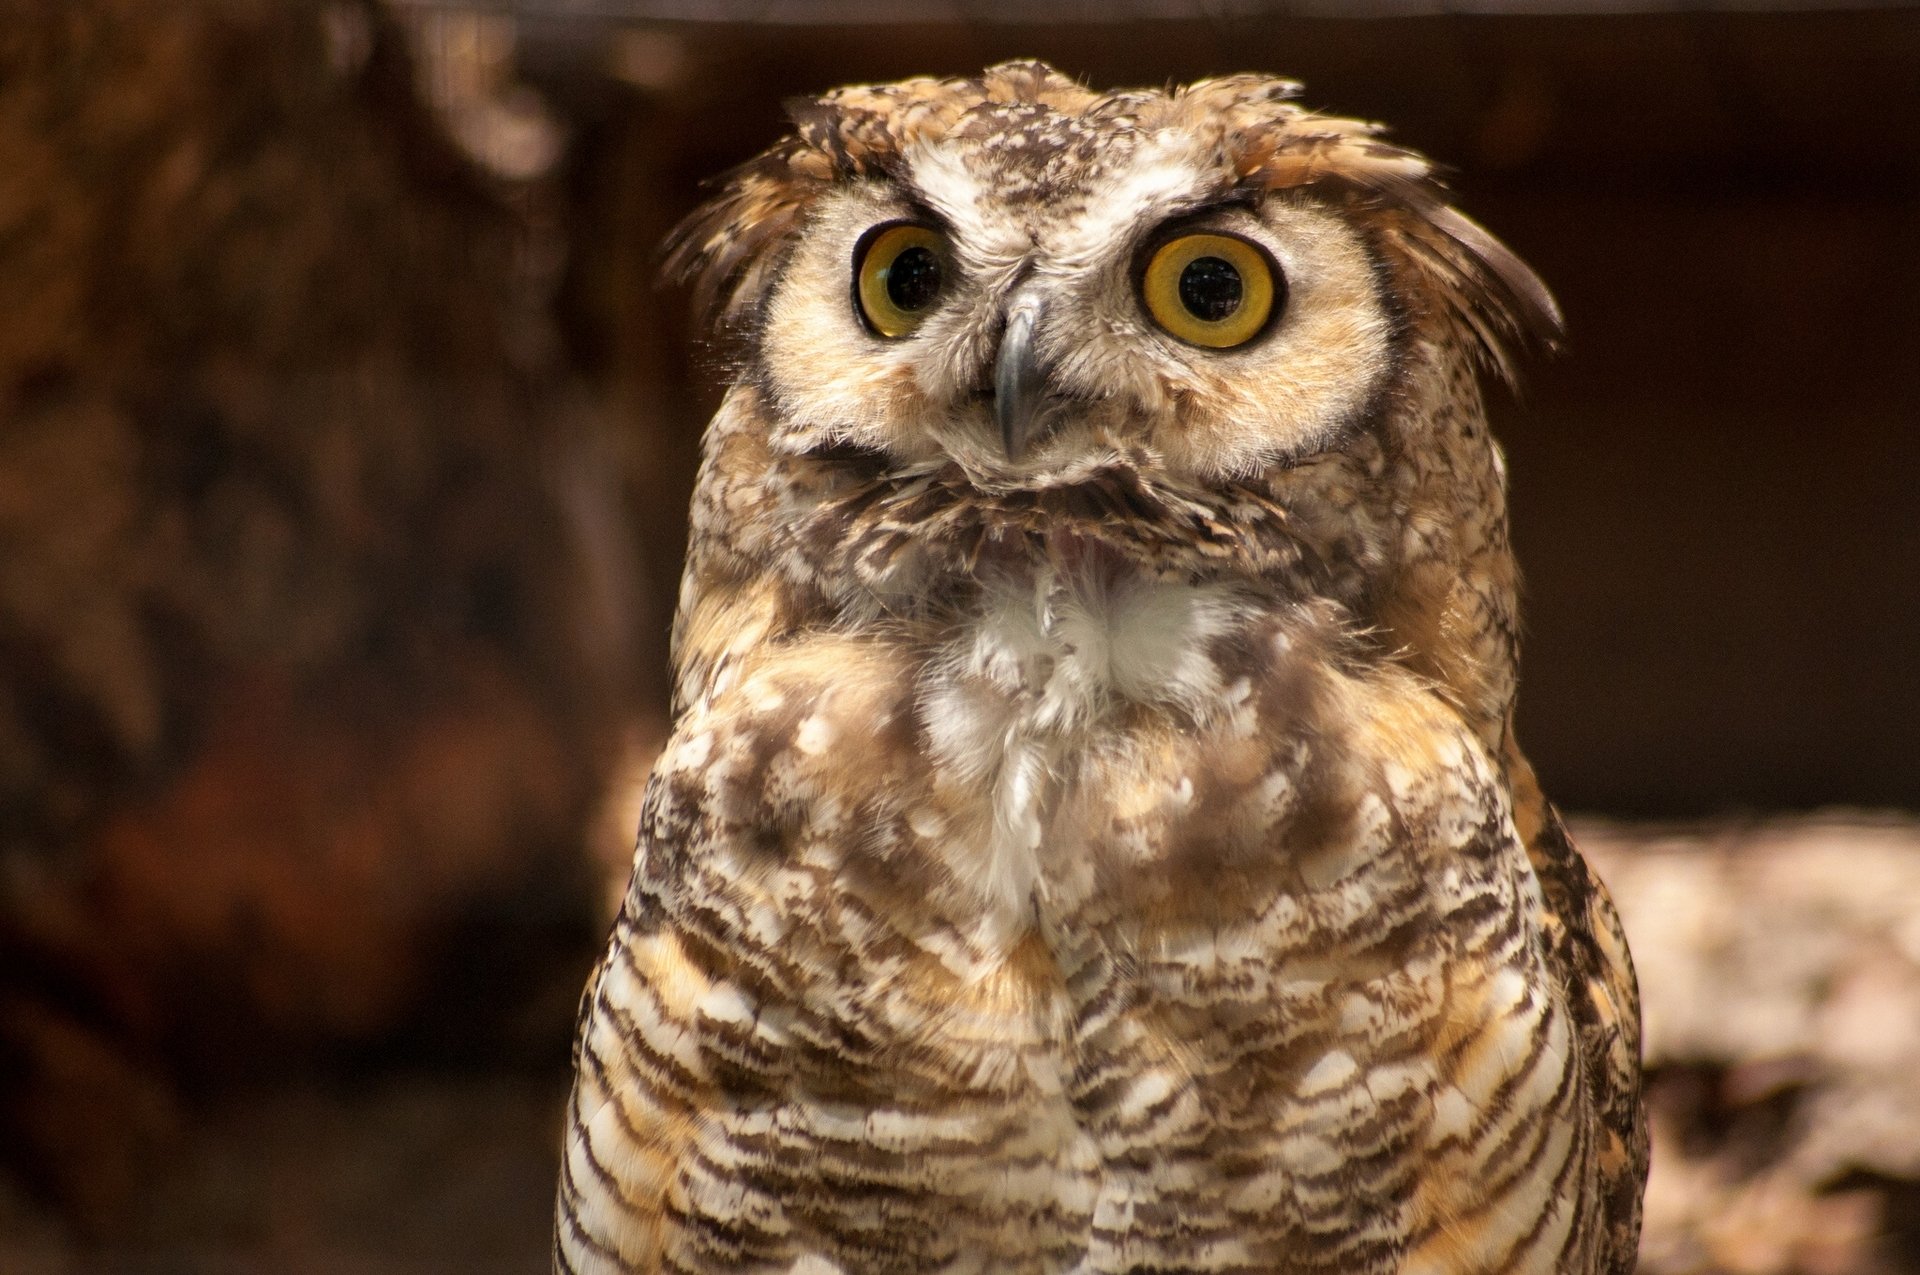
{"points": [[1105, 866]]}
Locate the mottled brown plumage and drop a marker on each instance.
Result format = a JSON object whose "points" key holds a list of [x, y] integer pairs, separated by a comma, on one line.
{"points": [[1092, 837]]}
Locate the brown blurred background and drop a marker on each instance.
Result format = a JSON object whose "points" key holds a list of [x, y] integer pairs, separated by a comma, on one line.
{"points": [[344, 447]]}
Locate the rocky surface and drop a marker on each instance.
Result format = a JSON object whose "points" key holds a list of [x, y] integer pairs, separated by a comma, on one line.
{"points": [[1780, 971]]}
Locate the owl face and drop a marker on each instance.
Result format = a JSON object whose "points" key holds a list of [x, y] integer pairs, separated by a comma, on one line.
{"points": [[1026, 281], [943, 315]]}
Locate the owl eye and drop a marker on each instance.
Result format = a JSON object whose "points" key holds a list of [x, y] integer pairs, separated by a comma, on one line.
{"points": [[1212, 289], [898, 271]]}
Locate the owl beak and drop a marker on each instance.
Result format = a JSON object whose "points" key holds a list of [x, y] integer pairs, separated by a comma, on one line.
{"points": [[1018, 380]]}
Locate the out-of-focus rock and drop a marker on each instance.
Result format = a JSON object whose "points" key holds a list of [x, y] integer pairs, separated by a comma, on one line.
{"points": [[315, 595], [1779, 968]]}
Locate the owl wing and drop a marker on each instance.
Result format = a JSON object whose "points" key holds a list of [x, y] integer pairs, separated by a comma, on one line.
{"points": [[1587, 948], [640, 1090]]}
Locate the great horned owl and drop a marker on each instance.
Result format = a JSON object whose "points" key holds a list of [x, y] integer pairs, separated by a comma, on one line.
{"points": [[1092, 836]]}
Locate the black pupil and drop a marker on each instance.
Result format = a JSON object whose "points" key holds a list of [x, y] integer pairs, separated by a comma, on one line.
{"points": [[1210, 288], [913, 279]]}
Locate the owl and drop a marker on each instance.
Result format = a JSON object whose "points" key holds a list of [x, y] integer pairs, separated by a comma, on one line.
{"points": [[1092, 836]]}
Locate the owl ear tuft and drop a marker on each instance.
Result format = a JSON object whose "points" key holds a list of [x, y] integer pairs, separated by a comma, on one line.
{"points": [[1482, 284], [725, 247], [728, 247], [1485, 284]]}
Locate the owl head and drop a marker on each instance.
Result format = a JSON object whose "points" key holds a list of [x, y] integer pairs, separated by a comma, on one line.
{"points": [[1024, 278], [1011, 324]]}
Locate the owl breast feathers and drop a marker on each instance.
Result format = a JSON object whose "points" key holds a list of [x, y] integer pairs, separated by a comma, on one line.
{"points": [[1092, 836]]}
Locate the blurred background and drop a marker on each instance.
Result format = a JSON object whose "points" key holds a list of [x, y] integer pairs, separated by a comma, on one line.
{"points": [[345, 439]]}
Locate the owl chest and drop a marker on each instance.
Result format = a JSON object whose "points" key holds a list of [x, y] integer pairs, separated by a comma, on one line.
{"points": [[1062, 743], [1101, 881], [1069, 741], [1067, 734]]}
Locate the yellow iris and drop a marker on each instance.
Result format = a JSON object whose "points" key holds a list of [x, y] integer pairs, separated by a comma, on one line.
{"points": [[899, 270], [1210, 289]]}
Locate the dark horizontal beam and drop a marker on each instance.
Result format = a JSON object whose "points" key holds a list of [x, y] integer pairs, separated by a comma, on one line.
{"points": [[832, 13]]}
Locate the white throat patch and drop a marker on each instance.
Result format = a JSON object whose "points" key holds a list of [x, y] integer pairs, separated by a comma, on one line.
{"points": [[1031, 677]]}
